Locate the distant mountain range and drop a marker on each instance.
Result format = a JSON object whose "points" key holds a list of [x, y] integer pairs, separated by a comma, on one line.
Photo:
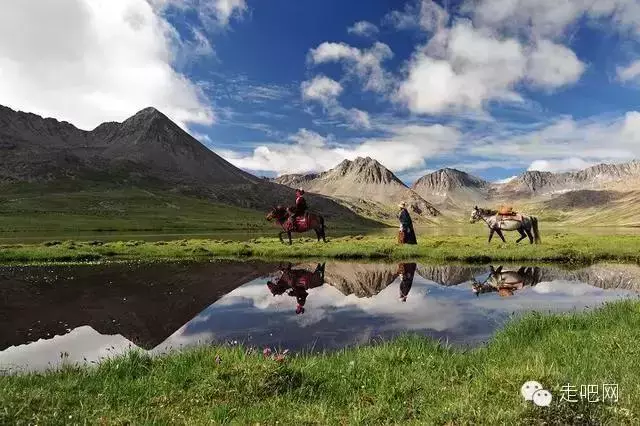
{"points": [[149, 150]]}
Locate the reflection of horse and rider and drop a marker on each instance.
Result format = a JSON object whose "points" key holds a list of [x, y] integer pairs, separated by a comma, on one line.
{"points": [[296, 282], [506, 282]]}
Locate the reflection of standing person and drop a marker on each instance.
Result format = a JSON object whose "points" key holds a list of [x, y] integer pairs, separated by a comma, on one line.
{"points": [[407, 270], [407, 235]]}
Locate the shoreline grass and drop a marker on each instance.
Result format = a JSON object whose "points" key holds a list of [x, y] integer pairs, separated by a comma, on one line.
{"points": [[410, 380], [561, 248]]}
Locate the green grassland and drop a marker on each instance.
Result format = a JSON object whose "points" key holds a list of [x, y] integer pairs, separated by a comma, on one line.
{"points": [[38, 213], [410, 380], [557, 247]]}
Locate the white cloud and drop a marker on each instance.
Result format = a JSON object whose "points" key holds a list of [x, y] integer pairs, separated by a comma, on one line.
{"points": [[421, 14], [630, 72], [88, 62], [552, 65], [562, 165], [553, 18], [363, 28], [365, 64], [465, 66], [321, 89], [462, 68], [564, 144], [326, 91], [403, 148]]}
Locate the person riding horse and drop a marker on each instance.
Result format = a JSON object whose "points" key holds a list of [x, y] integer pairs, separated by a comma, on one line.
{"points": [[299, 209], [406, 235]]}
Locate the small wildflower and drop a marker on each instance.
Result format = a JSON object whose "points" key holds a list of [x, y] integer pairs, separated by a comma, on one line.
{"points": [[266, 352], [279, 357]]}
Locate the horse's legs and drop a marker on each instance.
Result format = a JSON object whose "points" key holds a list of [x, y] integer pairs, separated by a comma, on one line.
{"points": [[501, 235], [529, 234], [491, 231], [280, 236], [523, 235], [289, 234], [317, 234]]}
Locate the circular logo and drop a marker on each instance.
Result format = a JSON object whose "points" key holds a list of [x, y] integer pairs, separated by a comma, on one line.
{"points": [[542, 398], [529, 388]]}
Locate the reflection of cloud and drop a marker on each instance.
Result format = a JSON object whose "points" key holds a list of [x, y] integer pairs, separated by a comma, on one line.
{"points": [[251, 315], [83, 345]]}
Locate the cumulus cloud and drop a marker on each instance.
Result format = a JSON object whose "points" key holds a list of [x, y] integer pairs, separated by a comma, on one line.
{"points": [[466, 65], [321, 89], [366, 64], [630, 72], [553, 18], [326, 91], [363, 29], [88, 62], [553, 65], [401, 148]]}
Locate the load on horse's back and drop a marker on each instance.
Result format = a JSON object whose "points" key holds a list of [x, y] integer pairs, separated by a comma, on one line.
{"points": [[297, 218], [505, 219]]}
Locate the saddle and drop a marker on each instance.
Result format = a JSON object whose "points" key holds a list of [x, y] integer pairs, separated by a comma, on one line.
{"points": [[301, 223], [506, 212]]}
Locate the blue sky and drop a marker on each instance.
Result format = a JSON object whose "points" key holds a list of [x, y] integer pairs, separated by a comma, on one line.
{"points": [[492, 87]]}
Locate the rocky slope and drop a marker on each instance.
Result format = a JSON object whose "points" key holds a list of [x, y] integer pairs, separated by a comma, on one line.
{"points": [[363, 184], [147, 149]]}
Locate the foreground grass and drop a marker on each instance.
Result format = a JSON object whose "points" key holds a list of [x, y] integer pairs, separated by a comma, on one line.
{"points": [[555, 248], [409, 380]]}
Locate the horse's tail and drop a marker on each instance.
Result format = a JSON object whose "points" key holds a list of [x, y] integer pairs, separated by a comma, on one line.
{"points": [[322, 227], [536, 231]]}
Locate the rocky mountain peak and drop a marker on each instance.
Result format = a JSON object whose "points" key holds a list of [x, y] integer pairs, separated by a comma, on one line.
{"points": [[363, 170], [447, 179]]}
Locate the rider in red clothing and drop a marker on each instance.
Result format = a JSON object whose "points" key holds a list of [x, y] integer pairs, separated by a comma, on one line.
{"points": [[299, 209]]}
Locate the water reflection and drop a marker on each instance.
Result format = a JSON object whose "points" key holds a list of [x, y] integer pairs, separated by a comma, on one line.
{"points": [[506, 282], [89, 312], [297, 281]]}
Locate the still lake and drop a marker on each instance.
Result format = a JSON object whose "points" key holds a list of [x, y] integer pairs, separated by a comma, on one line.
{"points": [[78, 314]]}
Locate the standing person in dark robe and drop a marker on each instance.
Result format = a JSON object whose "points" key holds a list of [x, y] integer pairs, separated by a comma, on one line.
{"points": [[407, 235], [407, 271]]}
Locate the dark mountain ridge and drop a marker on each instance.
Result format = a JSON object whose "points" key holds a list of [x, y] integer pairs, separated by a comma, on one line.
{"points": [[145, 149]]}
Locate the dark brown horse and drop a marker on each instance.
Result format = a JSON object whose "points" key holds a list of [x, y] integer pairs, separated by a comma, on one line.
{"points": [[305, 223]]}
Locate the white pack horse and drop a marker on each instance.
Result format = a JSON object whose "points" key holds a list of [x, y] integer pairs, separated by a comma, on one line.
{"points": [[527, 226]]}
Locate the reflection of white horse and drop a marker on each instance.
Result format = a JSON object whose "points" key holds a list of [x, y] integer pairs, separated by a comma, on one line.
{"points": [[507, 282], [527, 226]]}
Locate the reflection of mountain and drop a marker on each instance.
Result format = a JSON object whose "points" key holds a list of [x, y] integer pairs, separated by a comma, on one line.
{"points": [[605, 276], [144, 303], [448, 275], [361, 280]]}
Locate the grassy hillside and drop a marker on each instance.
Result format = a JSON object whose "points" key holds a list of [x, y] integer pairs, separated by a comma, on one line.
{"points": [[407, 381], [97, 210]]}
